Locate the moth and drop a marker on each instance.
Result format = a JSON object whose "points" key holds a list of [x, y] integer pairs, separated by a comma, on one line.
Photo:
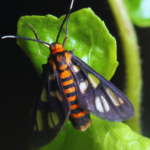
{"points": [[67, 90]]}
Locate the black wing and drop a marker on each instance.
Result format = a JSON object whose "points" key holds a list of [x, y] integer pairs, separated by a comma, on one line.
{"points": [[97, 95], [50, 110]]}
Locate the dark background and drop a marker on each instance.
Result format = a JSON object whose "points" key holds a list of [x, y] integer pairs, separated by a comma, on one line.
{"points": [[19, 81]]}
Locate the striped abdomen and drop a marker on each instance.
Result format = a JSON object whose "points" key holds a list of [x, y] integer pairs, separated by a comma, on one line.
{"points": [[79, 117]]}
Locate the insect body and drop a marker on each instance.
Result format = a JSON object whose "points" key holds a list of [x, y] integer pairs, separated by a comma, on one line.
{"points": [[71, 89], [65, 70]]}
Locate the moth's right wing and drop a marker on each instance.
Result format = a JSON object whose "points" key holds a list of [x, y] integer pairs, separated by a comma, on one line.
{"points": [[50, 110], [97, 95]]}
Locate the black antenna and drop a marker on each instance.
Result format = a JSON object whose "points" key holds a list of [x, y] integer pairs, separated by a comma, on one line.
{"points": [[37, 38], [67, 16], [18, 37]]}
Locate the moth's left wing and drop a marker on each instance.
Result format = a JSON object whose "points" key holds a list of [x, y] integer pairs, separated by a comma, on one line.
{"points": [[97, 95], [50, 111]]}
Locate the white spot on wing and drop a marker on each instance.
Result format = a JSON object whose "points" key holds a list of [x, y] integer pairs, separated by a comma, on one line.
{"points": [[106, 106], [39, 120], [98, 104], [112, 96], [58, 95], [53, 94], [50, 123], [51, 77], [35, 128], [83, 86], [76, 68], [44, 96], [55, 118], [121, 100], [94, 81]]}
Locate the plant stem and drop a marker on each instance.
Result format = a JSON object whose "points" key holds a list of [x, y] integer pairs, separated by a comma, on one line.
{"points": [[131, 58]]}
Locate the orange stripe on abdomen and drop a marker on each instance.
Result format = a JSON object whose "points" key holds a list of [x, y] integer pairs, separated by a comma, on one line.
{"points": [[62, 67], [69, 90], [65, 74], [72, 98], [74, 106], [65, 83], [78, 115]]}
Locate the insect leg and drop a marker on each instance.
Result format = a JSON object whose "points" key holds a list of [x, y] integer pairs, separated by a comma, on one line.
{"points": [[34, 32], [37, 36], [72, 51]]}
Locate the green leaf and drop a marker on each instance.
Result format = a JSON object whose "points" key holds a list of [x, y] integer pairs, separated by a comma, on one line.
{"points": [[93, 44], [139, 11], [101, 135], [87, 34]]}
